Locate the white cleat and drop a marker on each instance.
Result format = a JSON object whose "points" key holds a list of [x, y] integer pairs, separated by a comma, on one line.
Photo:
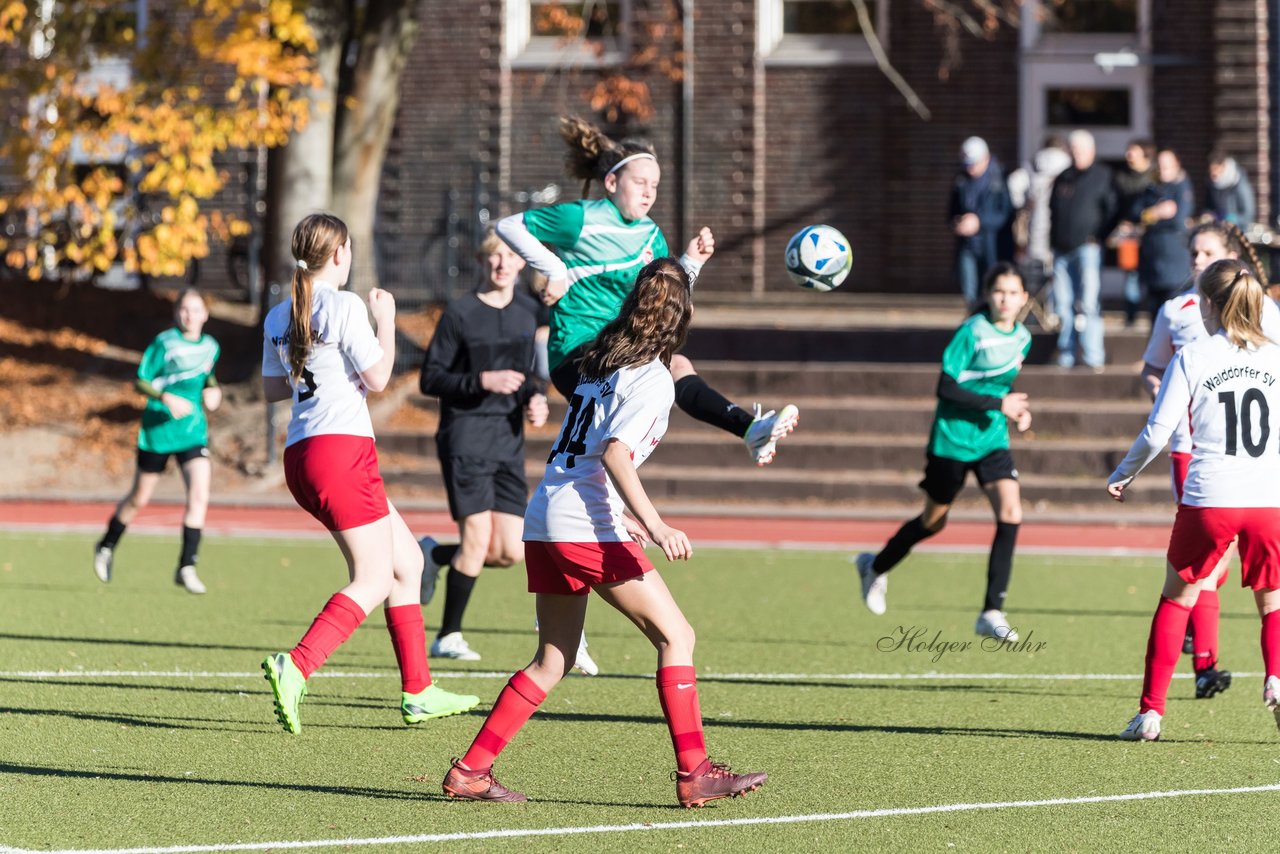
{"points": [[873, 586], [994, 624], [103, 557], [584, 662], [430, 570], [765, 431], [453, 645], [1145, 726], [1271, 697], [186, 577]]}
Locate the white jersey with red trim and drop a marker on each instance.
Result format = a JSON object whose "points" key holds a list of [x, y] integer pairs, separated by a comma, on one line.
{"points": [[576, 502], [329, 398], [1176, 325], [1232, 399]]}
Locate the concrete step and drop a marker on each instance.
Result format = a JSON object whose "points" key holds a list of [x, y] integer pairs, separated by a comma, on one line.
{"points": [[868, 344], [816, 451], [1054, 419], [772, 382], [776, 485]]}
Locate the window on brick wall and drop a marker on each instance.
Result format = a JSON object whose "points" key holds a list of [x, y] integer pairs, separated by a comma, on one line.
{"points": [[1089, 16], [818, 32], [1085, 64], [567, 32]]}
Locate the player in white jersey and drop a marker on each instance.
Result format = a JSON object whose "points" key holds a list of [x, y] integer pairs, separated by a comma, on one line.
{"points": [[1178, 323], [320, 351], [578, 538], [1227, 384]]}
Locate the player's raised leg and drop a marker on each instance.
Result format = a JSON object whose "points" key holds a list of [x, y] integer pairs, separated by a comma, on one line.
{"points": [[760, 431]]}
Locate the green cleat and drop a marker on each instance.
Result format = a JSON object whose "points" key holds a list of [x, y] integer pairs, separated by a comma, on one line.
{"points": [[434, 702], [289, 687]]}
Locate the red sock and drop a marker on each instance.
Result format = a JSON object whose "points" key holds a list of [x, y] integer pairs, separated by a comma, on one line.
{"points": [[1204, 628], [1271, 643], [678, 693], [409, 639], [331, 627], [514, 705], [1164, 645]]}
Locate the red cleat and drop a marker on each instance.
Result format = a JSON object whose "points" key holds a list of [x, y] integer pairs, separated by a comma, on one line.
{"points": [[471, 785], [711, 781]]}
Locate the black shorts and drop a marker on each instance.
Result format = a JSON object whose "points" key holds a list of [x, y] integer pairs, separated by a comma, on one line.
{"points": [[153, 463], [476, 484], [564, 376], [944, 477]]}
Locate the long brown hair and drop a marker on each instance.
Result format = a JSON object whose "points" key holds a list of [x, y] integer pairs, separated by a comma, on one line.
{"points": [[652, 324], [592, 154], [315, 239], [1237, 294], [1233, 239]]}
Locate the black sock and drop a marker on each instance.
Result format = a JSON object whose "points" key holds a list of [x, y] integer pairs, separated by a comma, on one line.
{"points": [[443, 555], [1000, 565], [457, 592], [190, 545], [704, 403], [115, 530], [900, 544]]}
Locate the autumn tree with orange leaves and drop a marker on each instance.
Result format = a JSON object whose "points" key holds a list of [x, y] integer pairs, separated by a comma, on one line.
{"points": [[117, 150]]}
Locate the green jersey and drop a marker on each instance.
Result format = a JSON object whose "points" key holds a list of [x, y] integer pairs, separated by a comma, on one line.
{"points": [[983, 360], [604, 254], [178, 366]]}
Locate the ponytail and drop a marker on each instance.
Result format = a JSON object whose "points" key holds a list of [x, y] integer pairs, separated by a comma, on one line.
{"points": [[315, 239], [1244, 249], [592, 155], [1237, 295], [299, 323]]}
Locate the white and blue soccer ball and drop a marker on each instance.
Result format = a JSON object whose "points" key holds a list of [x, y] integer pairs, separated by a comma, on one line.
{"points": [[818, 257]]}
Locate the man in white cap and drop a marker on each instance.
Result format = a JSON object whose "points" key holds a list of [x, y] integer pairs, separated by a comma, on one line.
{"points": [[979, 212]]}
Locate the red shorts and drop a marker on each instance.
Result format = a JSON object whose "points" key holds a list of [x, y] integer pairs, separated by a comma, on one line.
{"points": [[572, 569], [1201, 536], [335, 478], [1181, 461]]}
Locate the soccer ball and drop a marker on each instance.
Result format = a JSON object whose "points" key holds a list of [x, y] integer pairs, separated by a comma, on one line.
{"points": [[818, 257]]}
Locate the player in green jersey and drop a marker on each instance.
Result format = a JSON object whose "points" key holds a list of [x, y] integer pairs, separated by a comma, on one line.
{"points": [[176, 375], [599, 247], [971, 433]]}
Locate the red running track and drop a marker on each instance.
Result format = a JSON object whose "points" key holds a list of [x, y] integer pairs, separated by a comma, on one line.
{"points": [[746, 531]]}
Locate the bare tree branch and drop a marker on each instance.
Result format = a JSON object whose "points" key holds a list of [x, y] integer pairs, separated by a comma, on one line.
{"points": [[886, 67], [959, 15]]}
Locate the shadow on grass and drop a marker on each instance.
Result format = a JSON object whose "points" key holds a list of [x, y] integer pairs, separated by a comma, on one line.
{"points": [[313, 788], [839, 727], [151, 722], [310, 788], [158, 644]]}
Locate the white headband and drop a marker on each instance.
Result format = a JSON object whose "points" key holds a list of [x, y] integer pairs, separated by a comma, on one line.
{"points": [[624, 161], [302, 264]]}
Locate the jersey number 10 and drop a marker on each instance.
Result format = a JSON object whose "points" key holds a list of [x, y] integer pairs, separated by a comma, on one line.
{"points": [[1240, 423]]}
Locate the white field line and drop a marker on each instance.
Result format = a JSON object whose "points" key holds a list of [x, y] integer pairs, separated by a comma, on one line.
{"points": [[503, 674], [517, 833]]}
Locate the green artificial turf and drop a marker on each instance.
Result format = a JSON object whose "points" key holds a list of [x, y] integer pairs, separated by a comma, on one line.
{"points": [[784, 648]]}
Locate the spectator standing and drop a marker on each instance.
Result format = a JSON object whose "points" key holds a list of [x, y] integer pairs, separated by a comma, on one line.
{"points": [[1138, 174], [1082, 210], [979, 211], [1231, 196], [1163, 208], [1029, 189]]}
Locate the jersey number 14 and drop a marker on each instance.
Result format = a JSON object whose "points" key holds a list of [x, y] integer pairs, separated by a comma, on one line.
{"points": [[573, 436], [1240, 422]]}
